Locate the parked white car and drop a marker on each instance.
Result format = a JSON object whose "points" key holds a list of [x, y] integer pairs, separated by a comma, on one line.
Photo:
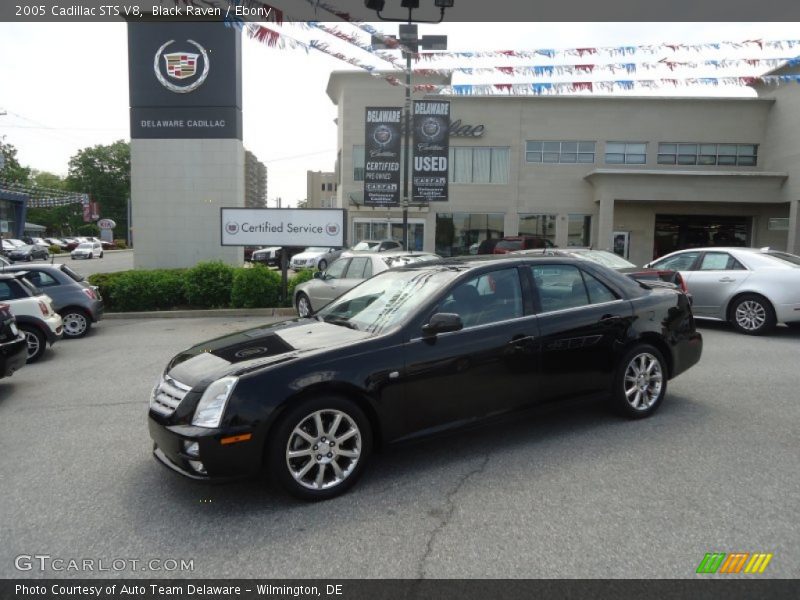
{"points": [[34, 312], [315, 257], [87, 250]]}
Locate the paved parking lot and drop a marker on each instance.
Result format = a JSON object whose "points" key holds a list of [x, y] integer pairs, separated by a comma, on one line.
{"points": [[118, 260], [572, 493]]}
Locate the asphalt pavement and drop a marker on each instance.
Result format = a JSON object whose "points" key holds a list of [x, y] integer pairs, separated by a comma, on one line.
{"points": [[572, 493], [116, 260]]}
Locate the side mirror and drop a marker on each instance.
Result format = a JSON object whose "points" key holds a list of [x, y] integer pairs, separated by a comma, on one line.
{"points": [[317, 274], [442, 323]]}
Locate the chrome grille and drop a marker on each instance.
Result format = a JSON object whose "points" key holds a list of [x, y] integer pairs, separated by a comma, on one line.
{"points": [[168, 395]]}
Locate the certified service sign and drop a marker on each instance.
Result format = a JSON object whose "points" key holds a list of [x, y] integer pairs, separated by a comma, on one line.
{"points": [[282, 227]]}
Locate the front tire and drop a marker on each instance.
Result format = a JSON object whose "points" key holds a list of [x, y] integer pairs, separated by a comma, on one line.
{"points": [[36, 341], [752, 314], [640, 382], [303, 306], [320, 448], [76, 323]]}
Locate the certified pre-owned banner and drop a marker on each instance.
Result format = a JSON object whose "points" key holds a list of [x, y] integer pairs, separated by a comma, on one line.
{"points": [[431, 146], [282, 227], [382, 157]]}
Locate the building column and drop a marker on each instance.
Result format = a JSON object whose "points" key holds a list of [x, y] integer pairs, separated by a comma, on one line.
{"points": [[605, 223], [793, 241]]}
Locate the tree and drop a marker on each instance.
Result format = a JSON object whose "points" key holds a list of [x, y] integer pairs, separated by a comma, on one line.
{"points": [[104, 172], [12, 171]]}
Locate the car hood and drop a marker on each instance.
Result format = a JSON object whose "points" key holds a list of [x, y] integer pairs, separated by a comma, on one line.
{"points": [[259, 347], [307, 255], [269, 249]]}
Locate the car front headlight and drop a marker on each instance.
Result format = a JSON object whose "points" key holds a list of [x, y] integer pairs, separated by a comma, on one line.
{"points": [[212, 405]]}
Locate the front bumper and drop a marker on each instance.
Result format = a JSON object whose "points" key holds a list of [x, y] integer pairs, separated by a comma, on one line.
{"points": [[13, 355], [222, 462]]}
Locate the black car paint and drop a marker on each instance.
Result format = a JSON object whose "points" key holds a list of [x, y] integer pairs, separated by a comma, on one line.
{"points": [[13, 346], [409, 384]]}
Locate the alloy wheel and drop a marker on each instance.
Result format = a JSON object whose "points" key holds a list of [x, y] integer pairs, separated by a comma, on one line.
{"points": [[303, 306], [323, 449], [643, 381], [750, 315], [33, 343]]}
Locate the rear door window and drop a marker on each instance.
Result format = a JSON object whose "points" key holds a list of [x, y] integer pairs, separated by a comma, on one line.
{"points": [[679, 262], [356, 268]]}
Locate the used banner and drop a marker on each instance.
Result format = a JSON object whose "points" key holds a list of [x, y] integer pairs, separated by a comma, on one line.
{"points": [[382, 157], [431, 148]]}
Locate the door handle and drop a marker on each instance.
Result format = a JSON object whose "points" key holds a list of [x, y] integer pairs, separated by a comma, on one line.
{"points": [[727, 280], [610, 318]]}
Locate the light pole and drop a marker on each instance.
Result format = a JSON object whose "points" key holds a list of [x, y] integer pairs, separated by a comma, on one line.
{"points": [[411, 44]]}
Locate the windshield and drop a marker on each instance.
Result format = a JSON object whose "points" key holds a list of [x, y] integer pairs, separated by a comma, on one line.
{"points": [[386, 300], [365, 245], [509, 245], [792, 259], [607, 259], [71, 273], [85, 246], [315, 249]]}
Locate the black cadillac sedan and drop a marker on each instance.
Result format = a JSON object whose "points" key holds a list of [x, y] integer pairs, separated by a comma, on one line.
{"points": [[411, 352]]}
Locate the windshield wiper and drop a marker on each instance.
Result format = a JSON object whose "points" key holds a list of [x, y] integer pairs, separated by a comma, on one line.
{"points": [[341, 321]]}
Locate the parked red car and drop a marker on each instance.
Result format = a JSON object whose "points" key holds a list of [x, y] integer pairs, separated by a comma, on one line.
{"points": [[521, 242]]}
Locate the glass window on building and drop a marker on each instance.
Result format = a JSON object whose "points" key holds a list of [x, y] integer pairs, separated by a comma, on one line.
{"points": [[358, 163], [579, 232], [560, 152], [381, 229], [478, 164], [458, 234], [541, 225], [738, 155], [626, 153]]}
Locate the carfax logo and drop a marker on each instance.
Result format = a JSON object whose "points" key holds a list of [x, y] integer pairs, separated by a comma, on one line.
{"points": [[734, 563], [181, 66], [332, 228], [232, 227]]}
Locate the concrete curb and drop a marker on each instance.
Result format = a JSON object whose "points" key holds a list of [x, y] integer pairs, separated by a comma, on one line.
{"points": [[190, 314]]}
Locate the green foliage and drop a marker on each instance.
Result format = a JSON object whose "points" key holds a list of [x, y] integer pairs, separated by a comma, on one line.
{"points": [[208, 284], [120, 244], [157, 289], [12, 171], [104, 172], [89, 230], [54, 249], [258, 287]]}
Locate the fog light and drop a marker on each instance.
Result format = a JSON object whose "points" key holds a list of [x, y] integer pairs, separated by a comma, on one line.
{"points": [[191, 448], [198, 466]]}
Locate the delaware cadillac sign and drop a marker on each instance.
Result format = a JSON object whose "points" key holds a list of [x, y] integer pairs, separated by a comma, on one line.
{"points": [[282, 227], [382, 159], [431, 150]]}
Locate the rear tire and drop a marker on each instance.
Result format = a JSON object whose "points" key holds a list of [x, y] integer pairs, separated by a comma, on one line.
{"points": [[76, 323], [640, 382], [752, 314], [36, 341], [319, 448]]}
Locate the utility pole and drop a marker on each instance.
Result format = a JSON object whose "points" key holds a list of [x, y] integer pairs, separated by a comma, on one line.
{"points": [[411, 43]]}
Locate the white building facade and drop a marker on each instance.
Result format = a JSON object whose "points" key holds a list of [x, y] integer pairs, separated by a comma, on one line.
{"points": [[662, 173]]}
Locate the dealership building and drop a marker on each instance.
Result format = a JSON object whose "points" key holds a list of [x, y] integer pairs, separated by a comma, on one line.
{"points": [[651, 174]]}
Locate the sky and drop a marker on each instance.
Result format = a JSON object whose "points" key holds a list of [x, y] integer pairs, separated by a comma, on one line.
{"points": [[80, 97]]}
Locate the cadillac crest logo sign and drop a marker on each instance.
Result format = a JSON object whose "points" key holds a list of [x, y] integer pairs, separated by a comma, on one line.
{"points": [[181, 66]]}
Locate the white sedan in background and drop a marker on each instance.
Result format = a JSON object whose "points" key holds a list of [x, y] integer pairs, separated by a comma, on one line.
{"points": [[751, 288], [315, 257], [346, 273]]}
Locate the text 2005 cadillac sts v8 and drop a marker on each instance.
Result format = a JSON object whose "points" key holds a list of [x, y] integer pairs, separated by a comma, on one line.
{"points": [[414, 351]]}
